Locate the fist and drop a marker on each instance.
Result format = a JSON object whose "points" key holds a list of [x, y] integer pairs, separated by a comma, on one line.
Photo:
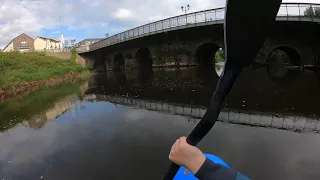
{"points": [[186, 155]]}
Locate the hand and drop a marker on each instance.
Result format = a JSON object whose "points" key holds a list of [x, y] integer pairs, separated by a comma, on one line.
{"points": [[186, 155]]}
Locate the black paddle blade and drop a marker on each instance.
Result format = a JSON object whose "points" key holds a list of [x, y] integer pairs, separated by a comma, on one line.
{"points": [[246, 25]]}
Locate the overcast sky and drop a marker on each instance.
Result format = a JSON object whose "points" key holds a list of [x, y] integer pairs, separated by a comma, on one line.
{"points": [[82, 19]]}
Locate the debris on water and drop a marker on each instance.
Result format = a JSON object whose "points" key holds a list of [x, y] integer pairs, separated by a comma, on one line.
{"points": [[243, 105], [41, 177], [244, 101], [9, 162]]}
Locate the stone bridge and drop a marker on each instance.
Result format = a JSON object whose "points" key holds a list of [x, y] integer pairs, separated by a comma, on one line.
{"points": [[193, 39]]}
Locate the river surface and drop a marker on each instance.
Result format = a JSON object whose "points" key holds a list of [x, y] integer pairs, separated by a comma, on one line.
{"points": [[121, 125]]}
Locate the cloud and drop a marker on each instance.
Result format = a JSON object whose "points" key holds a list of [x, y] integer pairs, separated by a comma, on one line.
{"points": [[32, 16], [123, 14]]}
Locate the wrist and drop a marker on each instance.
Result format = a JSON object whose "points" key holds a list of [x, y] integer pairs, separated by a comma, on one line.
{"points": [[196, 164]]}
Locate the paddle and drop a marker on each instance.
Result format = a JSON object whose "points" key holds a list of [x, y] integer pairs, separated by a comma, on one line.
{"points": [[246, 25]]}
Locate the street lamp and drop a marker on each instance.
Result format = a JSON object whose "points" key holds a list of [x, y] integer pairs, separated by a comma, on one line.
{"points": [[185, 9]]}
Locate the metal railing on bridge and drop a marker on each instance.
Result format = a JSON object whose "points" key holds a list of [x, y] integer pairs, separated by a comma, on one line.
{"points": [[287, 12]]}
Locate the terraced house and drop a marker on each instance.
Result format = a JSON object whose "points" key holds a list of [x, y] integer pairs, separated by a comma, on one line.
{"points": [[43, 43], [22, 43]]}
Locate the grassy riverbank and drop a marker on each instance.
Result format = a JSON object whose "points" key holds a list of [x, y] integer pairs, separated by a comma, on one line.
{"points": [[18, 67]]}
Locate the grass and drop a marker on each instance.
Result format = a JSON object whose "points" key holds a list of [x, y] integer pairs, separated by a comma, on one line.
{"points": [[18, 67]]}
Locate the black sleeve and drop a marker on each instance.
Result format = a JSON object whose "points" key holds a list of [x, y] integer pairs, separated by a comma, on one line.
{"points": [[211, 171]]}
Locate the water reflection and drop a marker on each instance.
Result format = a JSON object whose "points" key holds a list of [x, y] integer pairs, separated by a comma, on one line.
{"points": [[254, 91], [219, 68], [35, 109], [132, 118]]}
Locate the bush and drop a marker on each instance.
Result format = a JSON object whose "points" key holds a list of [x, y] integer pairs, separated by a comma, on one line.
{"points": [[18, 67], [73, 54], [310, 11], [219, 56]]}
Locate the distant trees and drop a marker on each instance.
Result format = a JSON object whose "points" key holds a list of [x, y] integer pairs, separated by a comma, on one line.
{"points": [[310, 11], [219, 57]]}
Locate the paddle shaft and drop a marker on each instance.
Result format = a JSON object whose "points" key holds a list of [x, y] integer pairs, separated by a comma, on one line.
{"points": [[223, 88]]}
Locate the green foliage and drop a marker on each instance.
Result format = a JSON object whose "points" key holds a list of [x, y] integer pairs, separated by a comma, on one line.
{"points": [[219, 57], [317, 12], [310, 11], [278, 56], [73, 54], [14, 111], [18, 67]]}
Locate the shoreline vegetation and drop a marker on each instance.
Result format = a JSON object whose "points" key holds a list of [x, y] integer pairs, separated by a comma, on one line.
{"points": [[25, 72]]}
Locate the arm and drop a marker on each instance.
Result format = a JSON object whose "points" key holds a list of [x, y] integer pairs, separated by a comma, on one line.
{"points": [[204, 169], [212, 171]]}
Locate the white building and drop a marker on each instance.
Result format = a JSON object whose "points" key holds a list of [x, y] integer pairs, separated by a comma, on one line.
{"points": [[43, 43]]}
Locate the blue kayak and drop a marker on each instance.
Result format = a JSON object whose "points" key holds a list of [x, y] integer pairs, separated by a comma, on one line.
{"points": [[185, 174]]}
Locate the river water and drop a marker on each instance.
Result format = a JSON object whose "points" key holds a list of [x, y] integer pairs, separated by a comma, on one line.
{"points": [[121, 125]]}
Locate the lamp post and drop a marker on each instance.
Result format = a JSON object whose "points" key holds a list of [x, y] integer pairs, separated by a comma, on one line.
{"points": [[185, 9]]}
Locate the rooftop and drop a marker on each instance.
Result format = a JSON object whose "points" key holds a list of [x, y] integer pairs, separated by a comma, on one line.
{"points": [[50, 39]]}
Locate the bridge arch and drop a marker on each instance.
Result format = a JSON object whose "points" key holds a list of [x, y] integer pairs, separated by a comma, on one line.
{"points": [[283, 62], [118, 61], [289, 54], [210, 55], [144, 58], [292, 54], [205, 54]]}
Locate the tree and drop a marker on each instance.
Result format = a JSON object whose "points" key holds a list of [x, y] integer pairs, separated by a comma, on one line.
{"points": [[219, 57], [310, 11], [317, 12]]}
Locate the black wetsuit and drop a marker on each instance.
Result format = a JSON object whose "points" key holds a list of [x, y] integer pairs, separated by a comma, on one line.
{"points": [[212, 171]]}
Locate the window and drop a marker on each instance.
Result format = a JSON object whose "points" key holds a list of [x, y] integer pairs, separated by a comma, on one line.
{"points": [[23, 43]]}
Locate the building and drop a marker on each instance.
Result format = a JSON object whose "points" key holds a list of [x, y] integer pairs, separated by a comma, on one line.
{"points": [[43, 43], [86, 42], [22, 43]]}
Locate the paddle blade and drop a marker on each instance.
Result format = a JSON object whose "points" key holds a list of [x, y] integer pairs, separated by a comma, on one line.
{"points": [[246, 26]]}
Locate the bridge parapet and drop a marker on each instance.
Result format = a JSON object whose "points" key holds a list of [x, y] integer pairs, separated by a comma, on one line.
{"points": [[287, 12]]}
